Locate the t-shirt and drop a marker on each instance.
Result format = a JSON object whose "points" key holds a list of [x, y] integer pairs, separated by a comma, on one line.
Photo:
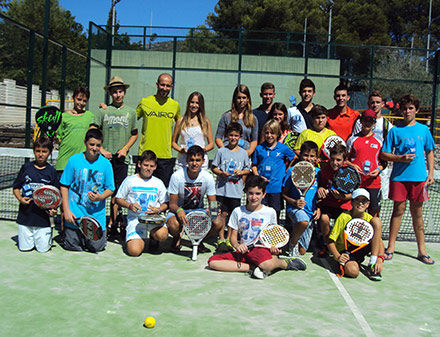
{"points": [[317, 137], [337, 233], [325, 180], [378, 129], [145, 192], [296, 120], [306, 115], [227, 161], [310, 197], [190, 136], [403, 139], [191, 191], [116, 125], [32, 215], [342, 123], [157, 127], [364, 152], [271, 164], [250, 134], [72, 133], [249, 224], [261, 116], [81, 177]]}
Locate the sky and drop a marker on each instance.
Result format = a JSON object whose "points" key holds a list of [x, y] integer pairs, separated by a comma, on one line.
{"points": [[171, 13]]}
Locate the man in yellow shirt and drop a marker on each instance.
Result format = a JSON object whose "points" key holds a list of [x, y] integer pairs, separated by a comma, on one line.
{"points": [[159, 113]]}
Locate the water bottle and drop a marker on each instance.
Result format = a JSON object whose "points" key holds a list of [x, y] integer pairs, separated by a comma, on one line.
{"points": [[189, 143], [367, 167], [26, 191], [231, 166]]}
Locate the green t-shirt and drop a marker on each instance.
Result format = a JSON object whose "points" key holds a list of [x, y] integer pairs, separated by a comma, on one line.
{"points": [[157, 127], [71, 133], [116, 125]]}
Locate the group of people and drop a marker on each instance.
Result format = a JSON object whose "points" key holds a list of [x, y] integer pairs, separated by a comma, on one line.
{"points": [[256, 152]]}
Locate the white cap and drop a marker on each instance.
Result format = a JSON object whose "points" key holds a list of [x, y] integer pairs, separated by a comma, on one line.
{"points": [[360, 192]]}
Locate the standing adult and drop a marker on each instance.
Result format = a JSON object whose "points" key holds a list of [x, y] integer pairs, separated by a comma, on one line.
{"points": [[307, 91], [159, 112], [267, 94]]}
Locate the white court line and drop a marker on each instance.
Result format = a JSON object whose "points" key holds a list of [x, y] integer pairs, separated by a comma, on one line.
{"points": [[353, 307]]}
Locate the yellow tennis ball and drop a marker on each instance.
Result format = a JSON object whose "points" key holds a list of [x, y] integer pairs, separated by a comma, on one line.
{"points": [[149, 322]]}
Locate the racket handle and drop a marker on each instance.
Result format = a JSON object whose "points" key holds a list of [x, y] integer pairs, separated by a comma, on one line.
{"points": [[341, 274], [194, 252]]}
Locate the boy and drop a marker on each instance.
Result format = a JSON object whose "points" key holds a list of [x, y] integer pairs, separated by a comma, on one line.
{"points": [[246, 223], [34, 229], [267, 94], [269, 161], [341, 118], [302, 212], [332, 202], [118, 125], [231, 164], [85, 184], [307, 92], [187, 188], [143, 193], [364, 149], [360, 200], [405, 146]]}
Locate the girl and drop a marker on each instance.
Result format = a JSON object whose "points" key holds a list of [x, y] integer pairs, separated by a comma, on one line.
{"points": [[279, 113]]}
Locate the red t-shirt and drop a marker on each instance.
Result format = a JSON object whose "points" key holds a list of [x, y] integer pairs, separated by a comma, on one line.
{"points": [[325, 180], [342, 123]]}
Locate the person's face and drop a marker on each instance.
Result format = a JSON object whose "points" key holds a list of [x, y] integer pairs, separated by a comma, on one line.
{"points": [[164, 86], [147, 168], [195, 163], [368, 124], [341, 97], [408, 112], [375, 103], [310, 155], [233, 138], [278, 115], [307, 94], [267, 96], [80, 102], [194, 105], [360, 204], [319, 122], [270, 137], [254, 196], [41, 154], [93, 146], [241, 101], [117, 94], [336, 161]]}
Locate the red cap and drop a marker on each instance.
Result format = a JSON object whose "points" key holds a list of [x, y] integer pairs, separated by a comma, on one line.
{"points": [[369, 113]]}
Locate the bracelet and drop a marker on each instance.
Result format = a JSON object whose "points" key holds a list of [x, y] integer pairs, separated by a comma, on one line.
{"points": [[126, 148], [129, 205], [381, 257], [380, 171], [179, 209]]}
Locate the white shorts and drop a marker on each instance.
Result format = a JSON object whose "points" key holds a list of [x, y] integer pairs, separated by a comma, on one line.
{"points": [[30, 237], [137, 230]]}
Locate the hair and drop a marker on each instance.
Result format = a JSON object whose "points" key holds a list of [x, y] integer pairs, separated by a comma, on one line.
{"points": [[201, 114], [309, 146], [339, 149], [81, 90], [234, 127], [273, 126], [266, 86], [194, 150], [43, 142], [248, 116], [341, 87], [147, 155], [375, 93], [318, 110], [114, 87], [255, 181], [164, 74], [409, 99], [306, 83], [93, 133], [280, 106]]}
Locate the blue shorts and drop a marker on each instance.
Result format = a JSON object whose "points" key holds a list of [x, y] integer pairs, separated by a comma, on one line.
{"points": [[299, 215]]}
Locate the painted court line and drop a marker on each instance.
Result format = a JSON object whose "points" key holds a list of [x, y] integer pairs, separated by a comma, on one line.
{"points": [[353, 307]]}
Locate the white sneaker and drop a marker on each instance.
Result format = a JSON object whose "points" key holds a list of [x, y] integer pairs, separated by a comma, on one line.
{"points": [[259, 274]]}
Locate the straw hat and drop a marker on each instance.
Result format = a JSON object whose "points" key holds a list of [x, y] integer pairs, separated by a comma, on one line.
{"points": [[116, 81]]}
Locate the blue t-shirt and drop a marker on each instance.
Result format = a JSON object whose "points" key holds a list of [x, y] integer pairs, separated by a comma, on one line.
{"points": [[403, 139], [271, 164], [310, 196], [81, 177]]}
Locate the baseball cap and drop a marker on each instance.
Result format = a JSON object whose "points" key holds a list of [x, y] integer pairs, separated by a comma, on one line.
{"points": [[360, 192], [369, 113]]}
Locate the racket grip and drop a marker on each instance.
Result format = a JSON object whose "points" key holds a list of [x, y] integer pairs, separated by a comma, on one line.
{"points": [[341, 266], [194, 253]]}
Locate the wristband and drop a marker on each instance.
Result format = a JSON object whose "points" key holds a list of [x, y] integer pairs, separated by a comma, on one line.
{"points": [[126, 148], [179, 209], [381, 257], [380, 171]]}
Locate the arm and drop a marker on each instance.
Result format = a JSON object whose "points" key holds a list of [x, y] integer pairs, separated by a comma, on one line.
{"points": [[242, 248], [95, 196], [209, 137], [126, 148], [21, 199], [341, 258], [430, 160], [300, 203], [180, 213], [219, 172], [176, 135], [252, 145], [68, 215], [397, 158]]}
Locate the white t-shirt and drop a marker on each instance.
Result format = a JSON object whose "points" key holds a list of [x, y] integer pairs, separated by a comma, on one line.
{"points": [[296, 119], [191, 191], [249, 224], [378, 128]]}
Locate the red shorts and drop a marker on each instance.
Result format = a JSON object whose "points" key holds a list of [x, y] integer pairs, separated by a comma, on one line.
{"points": [[408, 190], [255, 256]]}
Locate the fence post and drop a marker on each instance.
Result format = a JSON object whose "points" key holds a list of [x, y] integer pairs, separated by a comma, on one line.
{"points": [[434, 92], [89, 54], [191, 33], [174, 64], [45, 53], [30, 77], [287, 44], [370, 86], [144, 37], [306, 59], [63, 78], [108, 64], [240, 52]]}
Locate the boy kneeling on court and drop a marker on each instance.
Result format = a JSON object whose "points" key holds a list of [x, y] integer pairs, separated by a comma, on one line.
{"points": [[143, 194], [86, 182], [246, 223], [360, 201]]}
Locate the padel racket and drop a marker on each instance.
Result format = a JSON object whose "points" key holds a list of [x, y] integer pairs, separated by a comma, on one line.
{"points": [[357, 234], [290, 139], [272, 236], [90, 228], [48, 119], [329, 143], [303, 176], [199, 224], [152, 219], [47, 197], [346, 180], [214, 209]]}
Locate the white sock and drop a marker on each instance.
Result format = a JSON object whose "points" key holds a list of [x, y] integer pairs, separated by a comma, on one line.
{"points": [[373, 260]]}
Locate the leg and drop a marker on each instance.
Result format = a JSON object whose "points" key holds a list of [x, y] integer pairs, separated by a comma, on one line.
{"points": [[324, 225], [43, 239], [228, 265], [415, 208], [159, 233], [298, 229], [175, 229], [26, 240], [396, 218], [135, 247], [351, 269]]}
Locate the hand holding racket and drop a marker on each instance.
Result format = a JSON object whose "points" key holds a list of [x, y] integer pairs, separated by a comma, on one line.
{"points": [[198, 226], [303, 176], [271, 236], [152, 219], [48, 197]]}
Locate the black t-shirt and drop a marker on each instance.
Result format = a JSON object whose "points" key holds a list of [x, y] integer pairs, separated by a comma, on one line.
{"points": [[306, 115], [261, 116]]}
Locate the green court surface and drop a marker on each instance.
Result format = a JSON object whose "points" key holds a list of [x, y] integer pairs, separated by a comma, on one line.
{"points": [[62, 293]]}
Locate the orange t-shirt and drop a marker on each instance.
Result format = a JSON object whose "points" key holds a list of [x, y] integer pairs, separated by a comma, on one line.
{"points": [[342, 123]]}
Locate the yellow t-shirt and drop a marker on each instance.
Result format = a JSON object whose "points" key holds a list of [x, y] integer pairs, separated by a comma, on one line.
{"points": [[337, 234], [317, 137], [157, 127]]}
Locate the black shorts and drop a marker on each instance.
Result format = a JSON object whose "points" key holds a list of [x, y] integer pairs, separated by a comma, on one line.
{"points": [[375, 197], [228, 204], [120, 171], [360, 254], [273, 200], [332, 212]]}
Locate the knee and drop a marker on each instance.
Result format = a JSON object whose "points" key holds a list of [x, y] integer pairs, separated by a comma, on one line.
{"points": [[351, 269], [135, 252], [161, 234]]}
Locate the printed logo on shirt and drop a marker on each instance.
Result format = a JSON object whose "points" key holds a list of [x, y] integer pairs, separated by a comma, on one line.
{"points": [[85, 181], [192, 196], [160, 114], [249, 229], [116, 122]]}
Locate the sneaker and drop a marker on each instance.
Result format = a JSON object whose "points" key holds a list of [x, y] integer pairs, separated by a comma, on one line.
{"points": [[293, 250], [230, 246], [222, 246], [259, 274], [203, 249], [295, 263], [374, 276]]}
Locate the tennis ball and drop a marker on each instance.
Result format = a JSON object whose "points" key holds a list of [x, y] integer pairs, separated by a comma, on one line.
{"points": [[149, 322]]}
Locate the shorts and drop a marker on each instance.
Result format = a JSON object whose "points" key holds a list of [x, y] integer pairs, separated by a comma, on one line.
{"points": [[375, 197], [255, 256], [137, 230], [408, 190], [164, 170], [273, 200], [228, 204], [171, 214], [299, 215], [30, 237], [76, 241], [120, 171], [359, 255], [331, 211]]}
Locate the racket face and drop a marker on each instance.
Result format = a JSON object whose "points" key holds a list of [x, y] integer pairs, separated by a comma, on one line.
{"points": [[90, 227], [48, 118], [358, 232], [346, 180], [329, 143], [199, 224], [154, 219], [47, 197], [274, 236], [291, 139], [303, 175]]}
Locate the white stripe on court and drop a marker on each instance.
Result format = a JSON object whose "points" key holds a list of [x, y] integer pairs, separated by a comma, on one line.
{"points": [[353, 307]]}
